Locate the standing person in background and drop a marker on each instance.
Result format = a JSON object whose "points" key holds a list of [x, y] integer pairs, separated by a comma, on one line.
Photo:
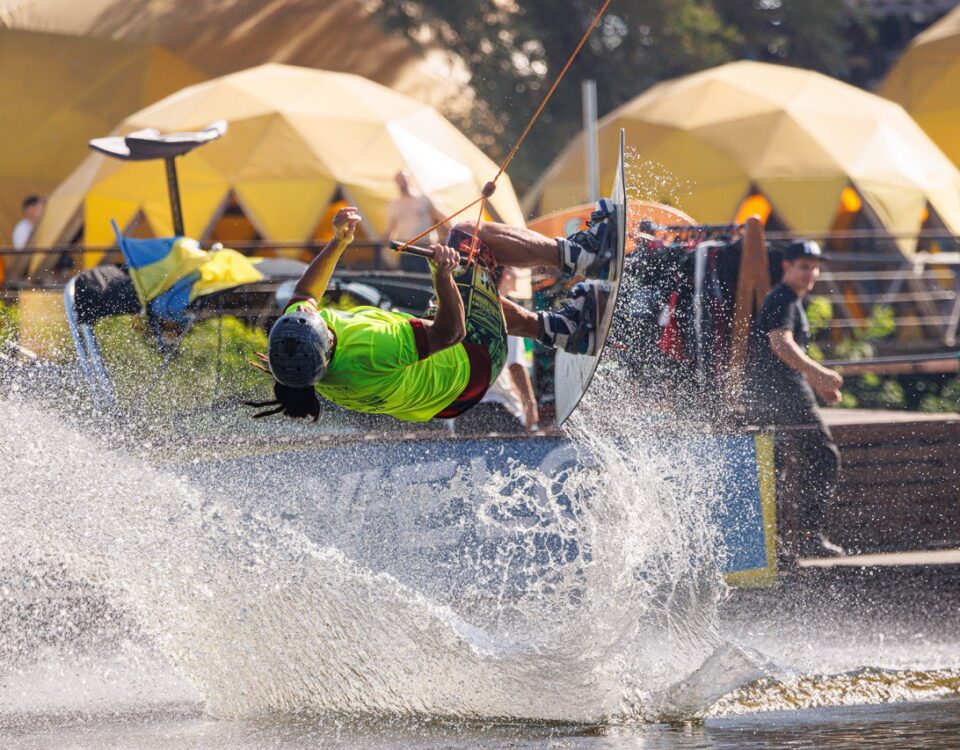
{"points": [[779, 388], [23, 231], [407, 216]]}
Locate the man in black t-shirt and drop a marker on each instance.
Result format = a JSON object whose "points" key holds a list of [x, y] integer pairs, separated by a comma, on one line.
{"points": [[779, 388]]}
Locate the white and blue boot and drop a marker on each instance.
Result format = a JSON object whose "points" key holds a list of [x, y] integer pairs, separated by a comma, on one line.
{"points": [[573, 327], [588, 253]]}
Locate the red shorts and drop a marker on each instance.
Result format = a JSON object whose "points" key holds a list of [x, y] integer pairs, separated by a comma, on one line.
{"points": [[480, 372]]}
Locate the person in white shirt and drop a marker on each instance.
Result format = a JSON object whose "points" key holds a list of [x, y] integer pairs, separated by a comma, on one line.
{"points": [[23, 231], [407, 216]]}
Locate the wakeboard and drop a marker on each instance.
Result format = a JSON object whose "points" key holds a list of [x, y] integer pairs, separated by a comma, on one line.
{"points": [[573, 373]]}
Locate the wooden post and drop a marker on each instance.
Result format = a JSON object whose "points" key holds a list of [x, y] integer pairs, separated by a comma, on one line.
{"points": [[753, 284]]}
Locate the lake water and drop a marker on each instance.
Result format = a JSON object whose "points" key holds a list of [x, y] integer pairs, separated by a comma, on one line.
{"points": [[159, 602]]}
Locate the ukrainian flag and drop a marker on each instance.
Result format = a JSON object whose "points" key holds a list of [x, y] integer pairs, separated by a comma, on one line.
{"points": [[172, 272]]}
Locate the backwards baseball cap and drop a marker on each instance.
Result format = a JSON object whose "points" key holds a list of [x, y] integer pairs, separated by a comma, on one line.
{"points": [[803, 249]]}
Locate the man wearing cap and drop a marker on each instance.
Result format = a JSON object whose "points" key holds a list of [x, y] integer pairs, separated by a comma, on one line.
{"points": [[781, 380]]}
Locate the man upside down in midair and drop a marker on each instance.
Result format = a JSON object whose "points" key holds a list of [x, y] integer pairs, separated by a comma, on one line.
{"points": [[371, 360]]}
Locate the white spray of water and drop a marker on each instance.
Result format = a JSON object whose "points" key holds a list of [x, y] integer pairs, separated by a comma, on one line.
{"points": [[261, 619]]}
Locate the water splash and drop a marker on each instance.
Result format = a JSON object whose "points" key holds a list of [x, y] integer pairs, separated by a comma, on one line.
{"points": [[653, 181], [788, 692], [206, 585], [259, 617]]}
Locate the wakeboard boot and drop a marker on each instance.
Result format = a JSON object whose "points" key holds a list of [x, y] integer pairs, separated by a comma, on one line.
{"points": [[588, 253], [573, 326]]}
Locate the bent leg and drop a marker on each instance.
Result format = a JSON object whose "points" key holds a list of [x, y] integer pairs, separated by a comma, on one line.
{"points": [[515, 246], [520, 321]]}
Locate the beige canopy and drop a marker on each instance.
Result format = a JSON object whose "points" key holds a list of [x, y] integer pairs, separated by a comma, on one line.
{"points": [[925, 81], [296, 138], [798, 137], [224, 36], [60, 91]]}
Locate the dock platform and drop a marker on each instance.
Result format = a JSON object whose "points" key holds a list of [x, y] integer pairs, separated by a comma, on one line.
{"points": [[899, 485]]}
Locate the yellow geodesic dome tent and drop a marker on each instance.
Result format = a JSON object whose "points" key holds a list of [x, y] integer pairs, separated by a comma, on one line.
{"points": [[225, 36], [925, 80], [805, 144], [298, 139], [58, 92]]}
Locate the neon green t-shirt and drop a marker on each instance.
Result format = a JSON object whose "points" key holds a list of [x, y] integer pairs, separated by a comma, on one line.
{"points": [[376, 368]]}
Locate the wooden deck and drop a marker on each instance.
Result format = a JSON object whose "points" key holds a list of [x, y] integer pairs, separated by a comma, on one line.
{"points": [[899, 486]]}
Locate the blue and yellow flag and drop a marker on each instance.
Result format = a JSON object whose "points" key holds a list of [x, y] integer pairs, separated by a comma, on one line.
{"points": [[171, 272]]}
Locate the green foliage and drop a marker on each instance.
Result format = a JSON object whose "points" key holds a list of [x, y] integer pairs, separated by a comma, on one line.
{"points": [[9, 322], [927, 392], [880, 325], [871, 391], [947, 400], [515, 50], [190, 381], [868, 391], [819, 313], [825, 35], [847, 400]]}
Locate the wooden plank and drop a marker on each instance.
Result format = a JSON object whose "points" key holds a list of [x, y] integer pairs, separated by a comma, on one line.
{"points": [[921, 523], [893, 495], [912, 431], [753, 285], [836, 417], [884, 455], [930, 519], [886, 544], [893, 475], [889, 533], [899, 487]]}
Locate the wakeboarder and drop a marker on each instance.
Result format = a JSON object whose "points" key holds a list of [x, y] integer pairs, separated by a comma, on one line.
{"points": [[416, 369]]}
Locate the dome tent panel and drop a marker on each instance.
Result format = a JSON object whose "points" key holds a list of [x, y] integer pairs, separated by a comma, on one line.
{"points": [[285, 208], [300, 151], [925, 79], [804, 205], [68, 90], [822, 132]]}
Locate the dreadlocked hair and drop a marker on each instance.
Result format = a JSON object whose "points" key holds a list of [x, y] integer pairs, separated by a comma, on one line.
{"points": [[297, 403]]}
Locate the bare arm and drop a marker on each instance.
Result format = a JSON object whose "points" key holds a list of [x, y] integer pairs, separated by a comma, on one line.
{"points": [[449, 326], [524, 386], [823, 380], [314, 281]]}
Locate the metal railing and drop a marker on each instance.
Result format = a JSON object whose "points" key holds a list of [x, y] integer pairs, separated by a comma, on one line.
{"points": [[246, 246], [923, 288], [865, 267], [15, 264]]}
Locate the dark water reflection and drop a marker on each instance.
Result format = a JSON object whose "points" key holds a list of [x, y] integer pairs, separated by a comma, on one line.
{"points": [[934, 725]]}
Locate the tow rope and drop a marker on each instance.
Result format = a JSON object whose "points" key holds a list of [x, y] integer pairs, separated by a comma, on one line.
{"points": [[491, 186]]}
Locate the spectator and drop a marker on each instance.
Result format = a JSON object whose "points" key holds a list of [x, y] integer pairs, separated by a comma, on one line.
{"points": [[779, 390], [407, 216], [23, 231]]}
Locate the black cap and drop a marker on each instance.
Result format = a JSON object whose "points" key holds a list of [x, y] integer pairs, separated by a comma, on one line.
{"points": [[803, 249]]}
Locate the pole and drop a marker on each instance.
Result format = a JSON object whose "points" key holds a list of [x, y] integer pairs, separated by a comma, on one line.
{"points": [[588, 90], [173, 189], [906, 365]]}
